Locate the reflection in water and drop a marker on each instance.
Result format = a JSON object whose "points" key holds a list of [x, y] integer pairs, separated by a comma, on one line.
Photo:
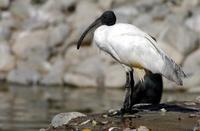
{"points": [[30, 108]]}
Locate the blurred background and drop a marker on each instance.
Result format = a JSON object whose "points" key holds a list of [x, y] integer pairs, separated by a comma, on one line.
{"points": [[42, 73]]}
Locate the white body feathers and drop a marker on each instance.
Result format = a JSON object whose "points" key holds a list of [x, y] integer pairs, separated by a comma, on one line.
{"points": [[134, 48]]}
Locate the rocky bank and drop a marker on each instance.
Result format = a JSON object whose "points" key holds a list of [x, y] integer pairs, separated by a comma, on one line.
{"points": [[38, 40]]}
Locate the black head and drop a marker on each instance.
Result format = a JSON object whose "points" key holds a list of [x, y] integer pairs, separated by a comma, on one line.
{"points": [[107, 18]]}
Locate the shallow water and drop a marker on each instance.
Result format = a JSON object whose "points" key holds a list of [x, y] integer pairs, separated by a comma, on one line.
{"points": [[29, 108]]}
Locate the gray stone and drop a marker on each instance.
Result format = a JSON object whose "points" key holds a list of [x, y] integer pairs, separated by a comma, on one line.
{"points": [[58, 34], [5, 31], [31, 45], [64, 118], [193, 23], [23, 75], [54, 5], [4, 4], [86, 73], [191, 64], [125, 14], [183, 39], [7, 61], [21, 9], [160, 12], [105, 4], [186, 5], [73, 56], [79, 80], [172, 52], [192, 81], [79, 21], [55, 74], [142, 20], [115, 76], [194, 90]]}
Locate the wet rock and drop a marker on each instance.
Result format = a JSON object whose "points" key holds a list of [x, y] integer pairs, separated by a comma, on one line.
{"points": [[114, 76], [125, 14], [31, 45], [23, 75], [63, 118], [183, 39], [4, 4], [7, 61], [55, 74]]}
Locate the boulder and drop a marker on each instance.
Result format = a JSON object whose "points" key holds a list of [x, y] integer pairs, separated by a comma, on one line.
{"points": [[73, 56], [126, 13], [4, 4], [105, 4], [55, 74], [5, 31], [82, 18], [64, 118], [7, 60], [171, 52], [114, 76], [193, 22], [191, 64], [86, 73], [21, 9], [31, 44], [23, 75], [182, 38], [58, 34]]}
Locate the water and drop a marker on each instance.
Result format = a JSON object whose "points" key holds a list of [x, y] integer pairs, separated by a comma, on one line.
{"points": [[29, 108]]}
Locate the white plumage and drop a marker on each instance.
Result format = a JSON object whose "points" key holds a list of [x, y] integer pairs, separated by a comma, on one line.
{"points": [[132, 47]]}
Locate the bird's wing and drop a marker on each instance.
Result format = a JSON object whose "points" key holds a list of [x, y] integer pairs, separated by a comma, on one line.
{"points": [[138, 46], [170, 69]]}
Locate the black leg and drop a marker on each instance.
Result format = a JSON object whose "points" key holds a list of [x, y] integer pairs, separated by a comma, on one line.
{"points": [[132, 82], [127, 85], [127, 105]]}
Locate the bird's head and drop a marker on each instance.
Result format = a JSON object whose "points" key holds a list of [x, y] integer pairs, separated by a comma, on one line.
{"points": [[107, 18]]}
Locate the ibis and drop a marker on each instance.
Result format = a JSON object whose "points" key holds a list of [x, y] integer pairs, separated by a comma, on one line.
{"points": [[132, 48]]}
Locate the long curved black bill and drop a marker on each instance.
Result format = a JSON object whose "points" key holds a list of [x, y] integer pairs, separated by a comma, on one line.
{"points": [[96, 22]]}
